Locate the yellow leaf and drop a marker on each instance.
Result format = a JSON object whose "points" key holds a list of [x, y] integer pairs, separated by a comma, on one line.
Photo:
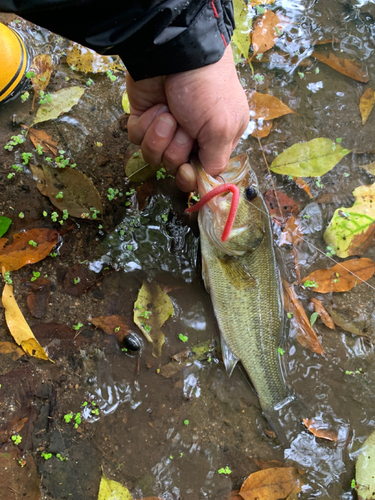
{"points": [[112, 490], [88, 61], [261, 2], [151, 310], [266, 30], [18, 326], [42, 67], [126, 103], [241, 35], [366, 103], [9, 348]]}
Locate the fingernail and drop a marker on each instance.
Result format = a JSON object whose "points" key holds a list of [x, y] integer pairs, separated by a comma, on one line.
{"points": [[164, 126], [181, 137]]}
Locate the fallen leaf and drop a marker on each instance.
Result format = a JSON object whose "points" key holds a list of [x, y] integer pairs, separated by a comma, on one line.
{"points": [[112, 325], [17, 482], [266, 31], [303, 185], [38, 299], [125, 103], [271, 484], [5, 222], [280, 58], [14, 426], [266, 106], [366, 103], [41, 138], [263, 128], [112, 490], [261, 2], [42, 67], [306, 335], [321, 430], [309, 159], [20, 252], [18, 326], [347, 67], [186, 358], [62, 101], [292, 234], [151, 310], [9, 348], [342, 277], [276, 201], [79, 195], [59, 339], [325, 317], [365, 469], [78, 280], [351, 230], [88, 61], [144, 192], [137, 169], [243, 21], [268, 464]]}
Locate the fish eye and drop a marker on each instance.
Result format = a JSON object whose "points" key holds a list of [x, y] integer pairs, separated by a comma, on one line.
{"points": [[250, 193]]}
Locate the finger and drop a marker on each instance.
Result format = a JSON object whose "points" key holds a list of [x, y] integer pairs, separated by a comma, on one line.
{"points": [[138, 124], [158, 137], [186, 179], [178, 151]]}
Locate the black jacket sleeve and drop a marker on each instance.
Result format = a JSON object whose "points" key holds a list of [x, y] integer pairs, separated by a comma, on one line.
{"points": [[152, 37]]}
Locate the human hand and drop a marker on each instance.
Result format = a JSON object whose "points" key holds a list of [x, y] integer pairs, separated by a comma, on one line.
{"points": [[168, 114]]}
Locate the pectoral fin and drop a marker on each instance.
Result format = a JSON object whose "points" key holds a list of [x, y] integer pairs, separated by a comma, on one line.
{"points": [[236, 273], [205, 277], [230, 360]]}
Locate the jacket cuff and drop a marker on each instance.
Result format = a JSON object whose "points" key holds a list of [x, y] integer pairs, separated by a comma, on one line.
{"points": [[202, 43]]}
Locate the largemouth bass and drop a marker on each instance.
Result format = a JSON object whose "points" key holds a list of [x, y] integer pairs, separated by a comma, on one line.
{"points": [[242, 279]]}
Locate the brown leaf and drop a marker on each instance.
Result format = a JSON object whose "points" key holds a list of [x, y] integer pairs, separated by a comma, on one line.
{"points": [[301, 183], [342, 277], [347, 67], [10, 348], [292, 233], [262, 129], [60, 340], [20, 252], [78, 279], [39, 137], [321, 430], [268, 465], [276, 201], [266, 30], [306, 335], [366, 103], [38, 299], [14, 426], [144, 192], [266, 106], [17, 482], [271, 484], [42, 67], [325, 317], [112, 325]]}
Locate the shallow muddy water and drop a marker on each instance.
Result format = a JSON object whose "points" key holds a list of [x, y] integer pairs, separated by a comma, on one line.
{"points": [[168, 437]]}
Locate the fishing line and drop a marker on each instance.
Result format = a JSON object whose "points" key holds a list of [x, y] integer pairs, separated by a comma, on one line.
{"points": [[319, 250]]}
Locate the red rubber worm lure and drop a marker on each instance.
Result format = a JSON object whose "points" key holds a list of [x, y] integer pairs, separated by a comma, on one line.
{"points": [[233, 208]]}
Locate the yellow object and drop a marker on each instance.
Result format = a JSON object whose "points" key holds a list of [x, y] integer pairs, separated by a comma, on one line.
{"points": [[13, 61]]}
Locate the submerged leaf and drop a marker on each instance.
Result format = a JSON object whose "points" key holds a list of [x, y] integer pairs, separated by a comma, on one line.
{"points": [[62, 101], [309, 159], [42, 67], [271, 484], [112, 325], [112, 490], [125, 103], [137, 169], [151, 310], [41, 138], [9, 348], [351, 230], [266, 31], [88, 61], [366, 103], [321, 430], [347, 67], [262, 129], [266, 106], [241, 34], [292, 233], [20, 252], [5, 222], [301, 183], [325, 317], [79, 195], [306, 335], [370, 168], [365, 469], [277, 201], [18, 326], [342, 277]]}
